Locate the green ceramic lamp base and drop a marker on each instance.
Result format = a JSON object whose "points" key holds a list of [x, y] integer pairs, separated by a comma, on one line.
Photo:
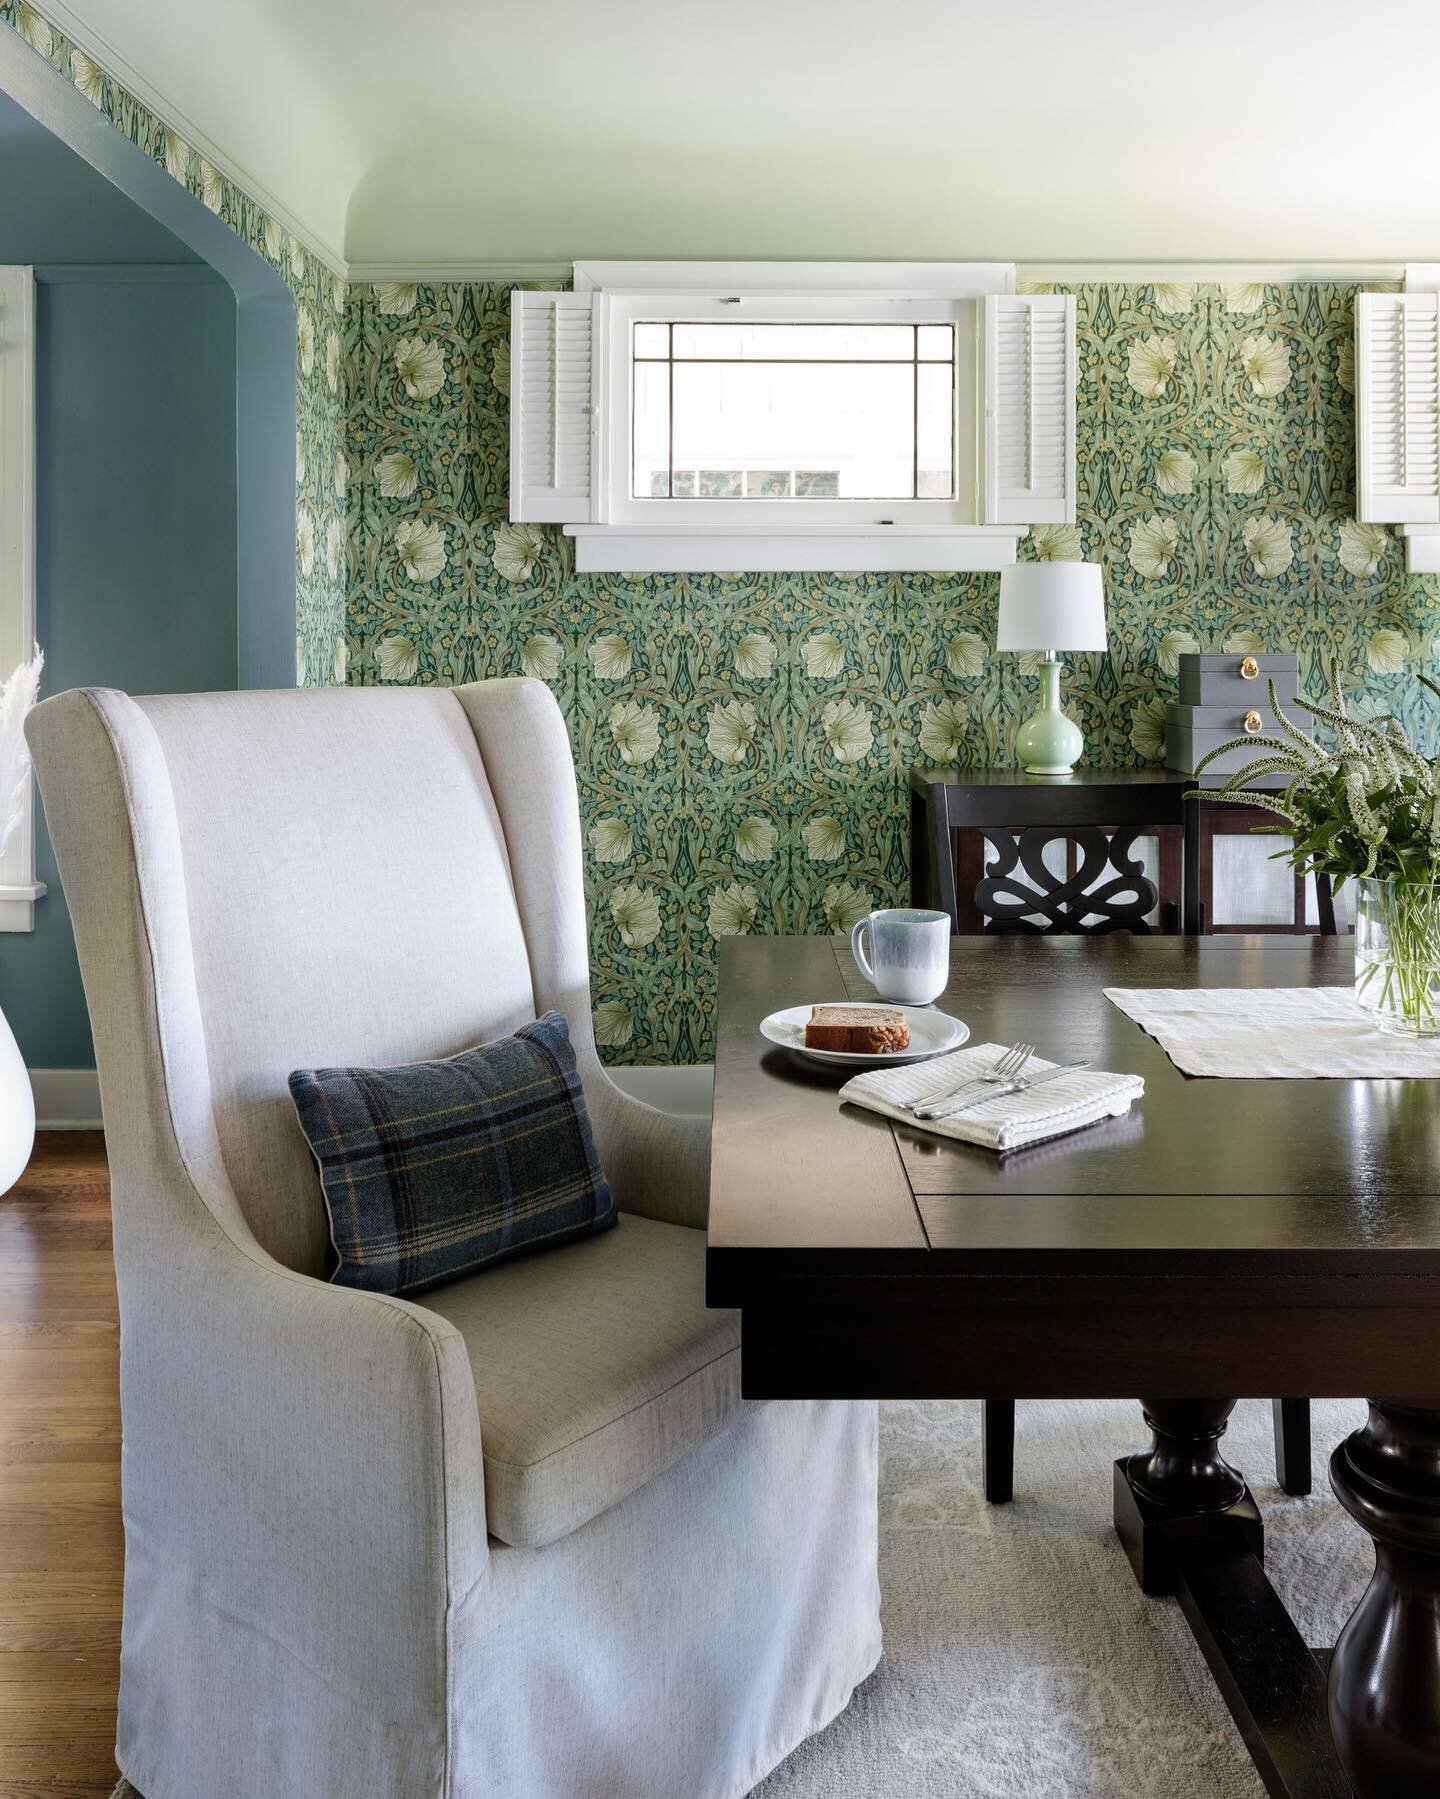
{"points": [[1048, 743]]}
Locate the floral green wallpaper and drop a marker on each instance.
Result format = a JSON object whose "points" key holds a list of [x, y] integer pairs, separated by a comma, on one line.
{"points": [[320, 470], [1215, 445], [743, 741]]}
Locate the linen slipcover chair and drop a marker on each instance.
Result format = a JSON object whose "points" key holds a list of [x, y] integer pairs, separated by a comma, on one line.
{"points": [[523, 1538]]}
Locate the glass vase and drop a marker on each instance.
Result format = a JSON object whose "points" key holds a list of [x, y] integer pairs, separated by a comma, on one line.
{"points": [[1397, 955]]}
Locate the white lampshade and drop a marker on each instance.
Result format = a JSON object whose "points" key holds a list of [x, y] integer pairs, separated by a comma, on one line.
{"points": [[1052, 606]]}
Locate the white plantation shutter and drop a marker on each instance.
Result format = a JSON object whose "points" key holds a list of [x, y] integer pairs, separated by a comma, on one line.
{"points": [[553, 360], [1397, 408], [1029, 355]]}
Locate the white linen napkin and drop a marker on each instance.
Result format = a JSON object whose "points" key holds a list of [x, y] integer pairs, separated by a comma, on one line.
{"points": [[1006, 1120], [1274, 1033]]}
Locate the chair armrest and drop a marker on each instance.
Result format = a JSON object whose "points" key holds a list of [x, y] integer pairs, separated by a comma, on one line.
{"points": [[302, 1459], [657, 1163]]}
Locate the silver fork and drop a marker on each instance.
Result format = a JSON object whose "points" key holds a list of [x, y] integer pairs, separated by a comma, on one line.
{"points": [[947, 1108], [1004, 1068]]}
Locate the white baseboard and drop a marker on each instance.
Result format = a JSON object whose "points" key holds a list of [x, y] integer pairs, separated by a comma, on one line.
{"points": [[690, 1091], [66, 1099]]}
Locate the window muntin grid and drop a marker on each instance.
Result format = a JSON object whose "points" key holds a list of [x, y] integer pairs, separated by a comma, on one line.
{"points": [[791, 410]]}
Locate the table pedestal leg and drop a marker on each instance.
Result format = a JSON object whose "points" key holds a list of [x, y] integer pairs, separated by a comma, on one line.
{"points": [[1181, 1494], [1384, 1694]]}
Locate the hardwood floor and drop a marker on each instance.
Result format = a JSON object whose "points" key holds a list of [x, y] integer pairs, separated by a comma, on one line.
{"points": [[61, 1549]]}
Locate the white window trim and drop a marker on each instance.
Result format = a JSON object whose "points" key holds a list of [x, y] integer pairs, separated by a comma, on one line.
{"points": [[1422, 548], [937, 536], [770, 549], [18, 887], [914, 280]]}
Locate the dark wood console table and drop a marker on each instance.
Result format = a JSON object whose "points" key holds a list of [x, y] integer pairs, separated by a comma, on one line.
{"points": [[1099, 813]]}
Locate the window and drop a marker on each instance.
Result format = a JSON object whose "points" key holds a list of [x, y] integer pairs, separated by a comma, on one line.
{"points": [[18, 887], [759, 416], [786, 411]]}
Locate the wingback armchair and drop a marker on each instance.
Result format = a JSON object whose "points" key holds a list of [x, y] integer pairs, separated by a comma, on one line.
{"points": [[522, 1538]]}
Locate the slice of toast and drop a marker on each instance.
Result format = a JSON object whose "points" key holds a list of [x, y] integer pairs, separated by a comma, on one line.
{"points": [[862, 1030]]}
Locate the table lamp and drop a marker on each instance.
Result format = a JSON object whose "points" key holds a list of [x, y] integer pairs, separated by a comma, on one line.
{"points": [[1051, 606]]}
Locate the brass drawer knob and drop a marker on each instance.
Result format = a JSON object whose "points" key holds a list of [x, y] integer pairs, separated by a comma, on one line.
{"points": [[1249, 669], [1253, 722]]}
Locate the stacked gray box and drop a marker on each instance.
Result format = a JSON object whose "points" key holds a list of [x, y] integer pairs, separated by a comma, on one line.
{"points": [[1227, 696], [1231, 680]]}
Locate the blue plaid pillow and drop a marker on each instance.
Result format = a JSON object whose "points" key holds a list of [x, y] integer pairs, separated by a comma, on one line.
{"points": [[441, 1168]]}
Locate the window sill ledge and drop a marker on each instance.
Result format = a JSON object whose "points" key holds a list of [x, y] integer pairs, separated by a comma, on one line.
{"points": [[792, 549], [17, 904], [1422, 548]]}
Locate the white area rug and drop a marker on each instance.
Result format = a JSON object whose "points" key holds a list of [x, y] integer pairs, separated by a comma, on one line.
{"points": [[1021, 1659]]}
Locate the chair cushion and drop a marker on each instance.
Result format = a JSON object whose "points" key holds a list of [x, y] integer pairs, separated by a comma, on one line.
{"points": [[437, 1169], [595, 1368]]}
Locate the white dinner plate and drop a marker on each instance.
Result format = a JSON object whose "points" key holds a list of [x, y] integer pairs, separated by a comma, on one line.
{"points": [[932, 1033]]}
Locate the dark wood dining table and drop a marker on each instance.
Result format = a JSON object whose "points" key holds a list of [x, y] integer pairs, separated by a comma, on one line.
{"points": [[1224, 1239]]}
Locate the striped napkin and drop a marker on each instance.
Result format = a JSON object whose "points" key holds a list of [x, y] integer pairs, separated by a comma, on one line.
{"points": [[1005, 1120]]}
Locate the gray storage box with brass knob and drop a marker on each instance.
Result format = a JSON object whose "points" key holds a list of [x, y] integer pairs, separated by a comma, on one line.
{"points": [[1191, 732], [1222, 697], [1243, 681]]}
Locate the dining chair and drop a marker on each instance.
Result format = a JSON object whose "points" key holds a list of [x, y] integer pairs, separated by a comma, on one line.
{"points": [[520, 1536], [990, 901], [1068, 879]]}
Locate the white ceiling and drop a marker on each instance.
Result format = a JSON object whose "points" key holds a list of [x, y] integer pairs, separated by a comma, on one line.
{"points": [[426, 133]]}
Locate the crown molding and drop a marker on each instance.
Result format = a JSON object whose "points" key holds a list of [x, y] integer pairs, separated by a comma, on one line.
{"points": [[460, 271], [101, 51], [1162, 270]]}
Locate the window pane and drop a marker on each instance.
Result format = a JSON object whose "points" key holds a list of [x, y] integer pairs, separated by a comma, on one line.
{"points": [[774, 410], [652, 431], [935, 432], [796, 343], [851, 424]]}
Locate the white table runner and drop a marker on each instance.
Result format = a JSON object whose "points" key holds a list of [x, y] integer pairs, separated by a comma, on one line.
{"points": [[1274, 1033]]}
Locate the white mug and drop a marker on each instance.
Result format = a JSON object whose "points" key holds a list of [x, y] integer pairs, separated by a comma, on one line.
{"points": [[909, 956]]}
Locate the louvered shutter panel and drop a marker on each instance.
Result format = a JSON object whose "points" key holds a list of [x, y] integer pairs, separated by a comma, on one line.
{"points": [[1397, 408], [552, 407], [1029, 409]]}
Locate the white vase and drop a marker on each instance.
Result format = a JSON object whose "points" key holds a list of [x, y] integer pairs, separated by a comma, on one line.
{"points": [[17, 1110]]}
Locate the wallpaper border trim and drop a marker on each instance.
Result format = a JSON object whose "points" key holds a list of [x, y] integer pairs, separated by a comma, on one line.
{"points": [[102, 51], [475, 273]]}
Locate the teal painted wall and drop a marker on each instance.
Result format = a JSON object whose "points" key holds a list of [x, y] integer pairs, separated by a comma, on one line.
{"points": [[135, 548], [319, 465], [173, 401], [136, 503]]}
